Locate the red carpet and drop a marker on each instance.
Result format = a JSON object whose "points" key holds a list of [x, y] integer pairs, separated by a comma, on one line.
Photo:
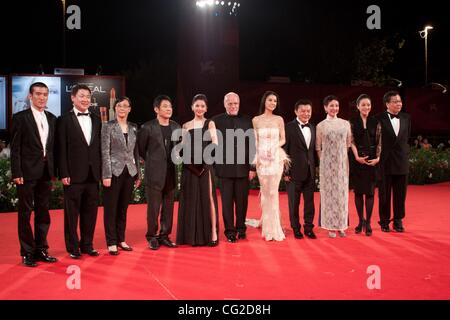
{"points": [[413, 265]]}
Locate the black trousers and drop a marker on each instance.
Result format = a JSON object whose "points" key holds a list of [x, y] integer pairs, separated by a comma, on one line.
{"points": [[295, 189], [396, 186], [80, 200], [33, 195], [234, 193], [160, 201], [115, 204]]}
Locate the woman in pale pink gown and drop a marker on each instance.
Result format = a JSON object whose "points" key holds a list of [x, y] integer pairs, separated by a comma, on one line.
{"points": [[270, 161]]}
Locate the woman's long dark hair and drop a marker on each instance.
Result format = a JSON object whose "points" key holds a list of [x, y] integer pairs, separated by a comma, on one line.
{"points": [[262, 104]]}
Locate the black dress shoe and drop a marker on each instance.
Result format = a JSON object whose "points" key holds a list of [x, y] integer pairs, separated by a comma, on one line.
{"points": [[242, 235], [75, 254], [153, 244], [231, 238], [213, 243], [43, 256], [125, 248], [113, 252], [166, 242], [298, 234], [91, 252], [28, 260], [368, 230], [310, 235], [385, 228], [398, 226], [360, 227]]}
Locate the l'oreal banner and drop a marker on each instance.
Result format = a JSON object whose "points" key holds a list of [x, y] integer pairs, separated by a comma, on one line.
{"points": [[105, 89]]}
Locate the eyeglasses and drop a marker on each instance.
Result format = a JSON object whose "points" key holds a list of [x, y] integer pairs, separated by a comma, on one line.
{"points": [[123, 107]]}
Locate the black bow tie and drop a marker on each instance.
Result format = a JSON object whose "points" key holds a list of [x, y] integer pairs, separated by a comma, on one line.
{"points": [[305, 125], [83, 114], [392, 116]]}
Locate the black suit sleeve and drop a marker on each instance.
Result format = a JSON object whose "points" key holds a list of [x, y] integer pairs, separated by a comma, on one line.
{"points": [[287, 171], [16, 145], [143, 135], [136, 157], [409, 127]]}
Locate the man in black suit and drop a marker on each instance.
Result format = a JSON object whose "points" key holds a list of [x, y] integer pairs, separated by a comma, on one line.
{"points": [[155, 147], [79, 165], [300, 177], [394, 161], [234, 175], [32, 167]]}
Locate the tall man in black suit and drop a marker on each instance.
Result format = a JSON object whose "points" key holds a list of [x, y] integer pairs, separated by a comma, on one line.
{"points": [[300, 177], [394, 161], [32, 167], [79, 165], [234, 175], [155, 147]]}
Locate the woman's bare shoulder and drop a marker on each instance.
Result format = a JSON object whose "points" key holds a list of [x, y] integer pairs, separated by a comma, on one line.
{"points": [[279, 118], [187, 125]]}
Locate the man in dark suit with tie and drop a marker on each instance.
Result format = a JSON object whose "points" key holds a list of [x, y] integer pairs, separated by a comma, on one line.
{"points": [[394, 161], [234, 176], [32, 167], [155, 147], [79, 165], [300, 177]]}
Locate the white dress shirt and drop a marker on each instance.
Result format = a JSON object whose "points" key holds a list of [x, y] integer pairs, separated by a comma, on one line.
{"points": [[395, 124], [42, 124], [85, 124], [306, 131]]}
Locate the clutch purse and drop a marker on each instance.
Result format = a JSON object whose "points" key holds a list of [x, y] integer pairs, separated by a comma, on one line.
{"points": [[369, 152]]}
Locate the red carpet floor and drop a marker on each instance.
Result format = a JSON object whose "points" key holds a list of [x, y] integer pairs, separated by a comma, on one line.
{"points": [[413, 265]]}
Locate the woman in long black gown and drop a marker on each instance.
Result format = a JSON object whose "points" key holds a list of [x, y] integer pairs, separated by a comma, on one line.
{"points": [[197, 215], [366, 147]]}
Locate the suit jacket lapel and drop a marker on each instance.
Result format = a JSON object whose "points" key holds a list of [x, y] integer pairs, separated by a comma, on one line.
{"points": [[300, 133], [94, 128], [389, 125], [32, 124], [118, 132], [131, 136], [78, 127], [312, 143], [50, 129], [402, 125], [158, 135]]}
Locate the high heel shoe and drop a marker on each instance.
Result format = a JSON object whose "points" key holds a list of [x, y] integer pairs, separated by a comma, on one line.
{"points": [[360, 227], [368, 230]]}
